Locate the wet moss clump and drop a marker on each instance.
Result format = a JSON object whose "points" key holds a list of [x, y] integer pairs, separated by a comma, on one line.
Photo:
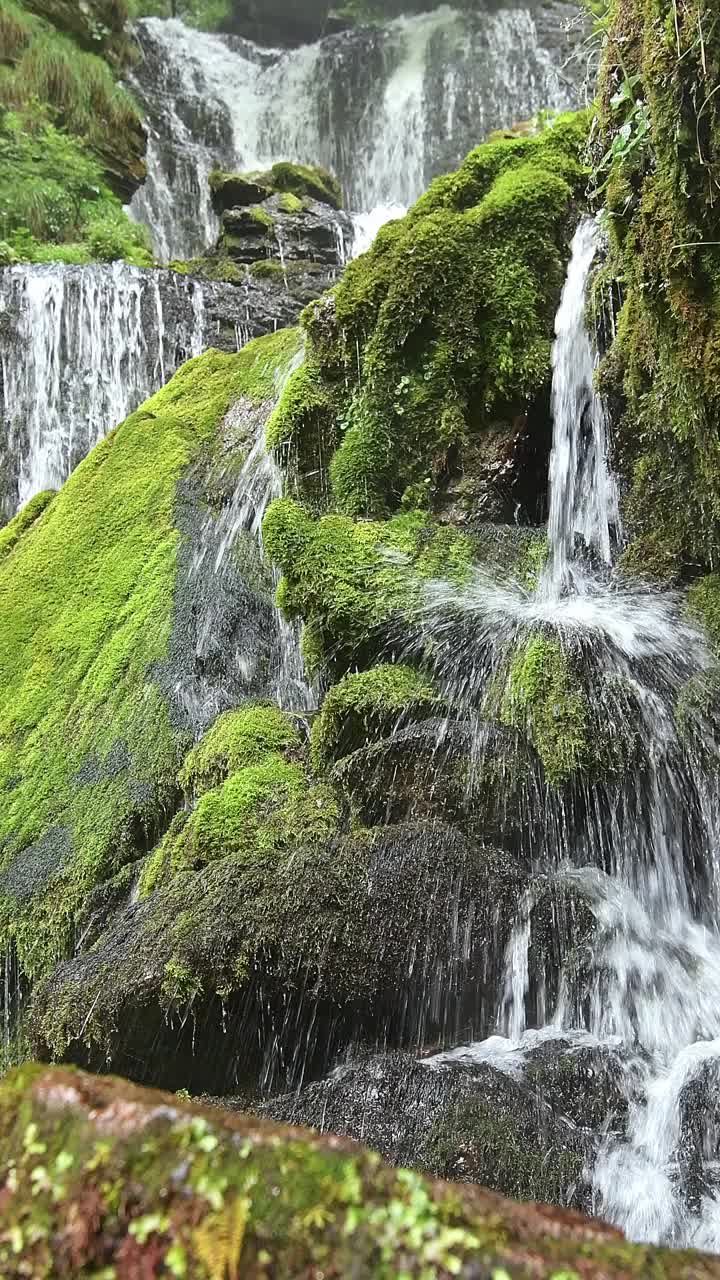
{"points": [[576, 729], [252, 794], [349, 579], [368, 705], [443, 328]]}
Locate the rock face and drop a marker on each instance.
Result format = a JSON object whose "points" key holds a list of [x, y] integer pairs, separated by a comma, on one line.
{"points": [[241, 1195], [386, 106], [283, 240]]}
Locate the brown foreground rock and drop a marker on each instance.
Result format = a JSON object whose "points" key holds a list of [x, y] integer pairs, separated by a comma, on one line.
{"points": [[100, 1178]]}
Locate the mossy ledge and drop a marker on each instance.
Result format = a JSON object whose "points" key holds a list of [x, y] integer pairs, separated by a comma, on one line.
{"points": [[216, 1194], [658, 176]]}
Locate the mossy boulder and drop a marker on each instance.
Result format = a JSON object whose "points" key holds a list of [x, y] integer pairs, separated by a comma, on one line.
{"points": [[369, 705], [525, 1122], [252, 796], [303, 182], [208, 1192], [103, 667], [444, 327], [298, 951], [349, 579], [547, 696]]}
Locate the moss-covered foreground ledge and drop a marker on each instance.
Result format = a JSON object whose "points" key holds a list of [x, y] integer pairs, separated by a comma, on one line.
{"points": [[103, 1179]]}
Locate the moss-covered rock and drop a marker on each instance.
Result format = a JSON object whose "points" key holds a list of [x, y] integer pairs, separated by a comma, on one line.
{"points": [[253, 796], [444, 327], [546, 698], [207, 1192], [367, 705], [347, 580], [99, 660], [529, 1128], [298, 951], [303, 182], [660, 141]]}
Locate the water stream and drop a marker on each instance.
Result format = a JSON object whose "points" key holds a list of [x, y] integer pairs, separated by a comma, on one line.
{"points": [[638, 847]]}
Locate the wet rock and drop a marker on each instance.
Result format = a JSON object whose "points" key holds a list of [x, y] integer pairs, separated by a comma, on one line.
{"points": [[389, 936], [528, 1127], [245, 1195]]}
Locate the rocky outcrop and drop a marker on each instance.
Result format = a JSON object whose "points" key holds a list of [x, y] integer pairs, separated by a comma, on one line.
{"points": [[241, 1196], [295, 943], [283, 240]]}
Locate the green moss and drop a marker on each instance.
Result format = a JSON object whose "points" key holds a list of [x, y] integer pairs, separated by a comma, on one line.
{"points": [[290, 203], [574, 729], [347, 580], [658, 177], [216, 1193], [368, 705], [544, 699], [237, 739], [304, 181], [11, 534], [704, 604], [86, 597], [445, 325], [54, 202], [496, 1152], [259, 216]]}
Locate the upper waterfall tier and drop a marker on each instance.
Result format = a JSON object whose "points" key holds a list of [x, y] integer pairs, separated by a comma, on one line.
{"points": [[385, 107]]}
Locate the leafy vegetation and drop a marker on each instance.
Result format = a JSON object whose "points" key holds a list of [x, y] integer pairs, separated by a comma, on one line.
{"points": [[54, 201], [48, 79], [207, 15]]}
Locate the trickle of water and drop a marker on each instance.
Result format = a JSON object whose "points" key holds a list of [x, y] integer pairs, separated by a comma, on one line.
{"points": [[385, 107], [258, 483], [80, 349]]}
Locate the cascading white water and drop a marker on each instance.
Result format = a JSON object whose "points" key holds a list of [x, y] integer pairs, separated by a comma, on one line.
{"points": [[639, 849], [386, 108], [583, 493], [80, 349]]}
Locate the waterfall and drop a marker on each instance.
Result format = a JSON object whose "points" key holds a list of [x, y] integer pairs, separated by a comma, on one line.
{"points": [[385, 107], [583, 495], [637, 849], [80, 349]]}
